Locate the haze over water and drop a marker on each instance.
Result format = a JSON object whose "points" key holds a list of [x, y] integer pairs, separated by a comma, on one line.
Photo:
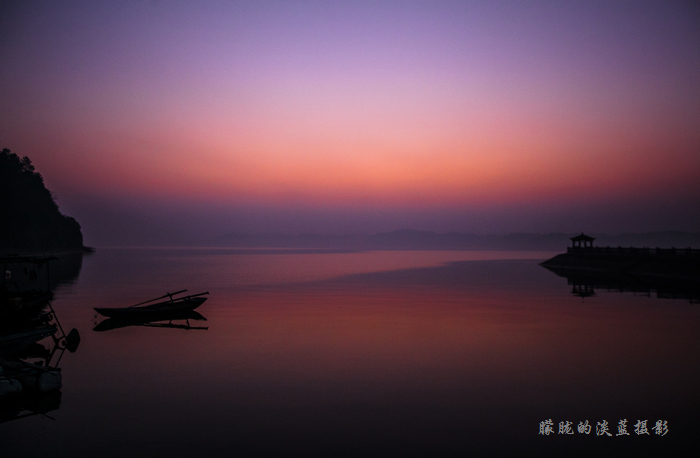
{"points": [[427, 353]]}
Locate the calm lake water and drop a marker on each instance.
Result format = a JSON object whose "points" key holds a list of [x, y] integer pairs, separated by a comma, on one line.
{"points": [[382, 353]]}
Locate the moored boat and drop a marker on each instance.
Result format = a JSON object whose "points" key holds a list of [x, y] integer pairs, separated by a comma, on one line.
{"points": [[30, 376], [160, 320], [140, 311]]}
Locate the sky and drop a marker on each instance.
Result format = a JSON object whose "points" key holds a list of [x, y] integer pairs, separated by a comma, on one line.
{"points": [[173, 121]]}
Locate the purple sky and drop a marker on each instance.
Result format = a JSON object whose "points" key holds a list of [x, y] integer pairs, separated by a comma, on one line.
{"points": [[171, 122]]}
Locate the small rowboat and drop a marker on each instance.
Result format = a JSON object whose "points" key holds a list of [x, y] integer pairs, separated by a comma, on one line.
{"points": [[160, 320], [159, 309]]}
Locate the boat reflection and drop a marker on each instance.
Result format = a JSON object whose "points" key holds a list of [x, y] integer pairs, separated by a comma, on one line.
{"points": [[585, 283], [32, 340], [172, 319]]}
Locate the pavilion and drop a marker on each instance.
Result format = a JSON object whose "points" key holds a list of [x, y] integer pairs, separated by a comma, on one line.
{"points": [[582, 241]]}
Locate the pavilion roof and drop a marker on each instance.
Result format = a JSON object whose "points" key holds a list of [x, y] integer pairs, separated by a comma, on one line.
{"points": [[583, 237]]}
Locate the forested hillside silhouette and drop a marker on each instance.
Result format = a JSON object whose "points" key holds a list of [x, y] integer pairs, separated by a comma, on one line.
{"points": [[30, 221]]}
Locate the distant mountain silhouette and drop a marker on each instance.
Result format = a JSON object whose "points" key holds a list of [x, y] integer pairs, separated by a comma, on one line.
{"points": [[426, 240], [398, 240], [31, 221]]}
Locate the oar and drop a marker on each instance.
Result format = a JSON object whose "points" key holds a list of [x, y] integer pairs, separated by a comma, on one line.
{"points": [[193, 295], [161, 297]]}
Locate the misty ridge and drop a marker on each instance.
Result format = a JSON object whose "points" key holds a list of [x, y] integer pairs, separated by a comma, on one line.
{"points": [[427, 240]]}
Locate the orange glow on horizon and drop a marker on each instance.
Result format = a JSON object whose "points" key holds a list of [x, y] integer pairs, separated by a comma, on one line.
{"points": [[416, 180]]}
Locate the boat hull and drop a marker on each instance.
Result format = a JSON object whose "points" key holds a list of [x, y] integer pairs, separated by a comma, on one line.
{"points": [[151, 320]]}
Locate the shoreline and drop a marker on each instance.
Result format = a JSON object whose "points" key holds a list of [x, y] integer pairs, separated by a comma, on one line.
{"points": [[24, 254]]}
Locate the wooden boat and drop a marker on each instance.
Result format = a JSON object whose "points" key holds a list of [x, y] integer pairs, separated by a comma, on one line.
{"points": [[156, 320], [159, 309]]}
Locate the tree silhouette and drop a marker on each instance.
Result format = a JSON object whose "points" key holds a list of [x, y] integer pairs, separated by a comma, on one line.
{"points": [[29, 217]]}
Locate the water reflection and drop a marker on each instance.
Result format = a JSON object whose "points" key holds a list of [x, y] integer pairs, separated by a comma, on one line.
{"points": [[30, 353], [414, 359], [18, 407], [26, 274], [585, 284], [32, 340]]}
